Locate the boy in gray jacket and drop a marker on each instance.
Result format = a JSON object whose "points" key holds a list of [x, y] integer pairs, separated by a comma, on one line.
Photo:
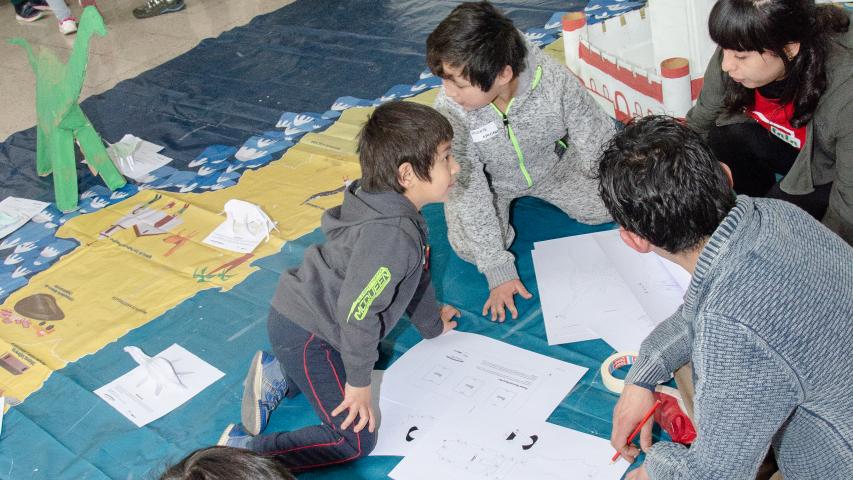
{"points": [[329, 315], [523, 126], [766, 319]]}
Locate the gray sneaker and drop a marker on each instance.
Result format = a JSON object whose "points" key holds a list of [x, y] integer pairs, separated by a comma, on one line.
{"points": [[264, 388], [234, 436], [152, 8], [26, 12]]}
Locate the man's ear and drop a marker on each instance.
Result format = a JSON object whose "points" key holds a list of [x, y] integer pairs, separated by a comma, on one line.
{"points": [[504, 76], [792, 49], [405, 175], [728, 172], [635, 241]]}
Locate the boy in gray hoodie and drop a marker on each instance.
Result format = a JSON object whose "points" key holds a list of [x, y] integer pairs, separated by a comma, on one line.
{"points": [[329, 315], [523, 126]]}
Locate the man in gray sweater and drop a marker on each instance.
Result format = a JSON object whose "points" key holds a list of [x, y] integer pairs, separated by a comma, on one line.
{"points": [[766, 319], [523, 126]]}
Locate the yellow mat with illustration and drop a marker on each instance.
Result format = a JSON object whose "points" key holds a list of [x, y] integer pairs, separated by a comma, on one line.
{"points": [[147, 253]]}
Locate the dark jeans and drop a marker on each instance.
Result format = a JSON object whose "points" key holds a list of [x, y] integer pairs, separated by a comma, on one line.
{"points": [[313, 367], [755, 157]]}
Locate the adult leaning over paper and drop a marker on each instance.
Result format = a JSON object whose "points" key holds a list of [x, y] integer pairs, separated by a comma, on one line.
{"points": [[765, 321]]}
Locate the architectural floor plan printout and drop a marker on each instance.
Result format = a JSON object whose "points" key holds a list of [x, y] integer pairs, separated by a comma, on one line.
{"points": [[473, 447], [595, 286], [466, 373]]}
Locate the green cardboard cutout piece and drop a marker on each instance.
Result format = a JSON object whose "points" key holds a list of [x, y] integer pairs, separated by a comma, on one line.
{"points": [[60, 119]]}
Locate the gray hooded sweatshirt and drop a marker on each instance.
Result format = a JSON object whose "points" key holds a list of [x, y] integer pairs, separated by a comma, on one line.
{"points": [[352, 290]]}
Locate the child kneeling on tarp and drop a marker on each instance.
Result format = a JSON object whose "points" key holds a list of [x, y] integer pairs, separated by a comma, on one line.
{"points": [[523, 126], [329, 315]]}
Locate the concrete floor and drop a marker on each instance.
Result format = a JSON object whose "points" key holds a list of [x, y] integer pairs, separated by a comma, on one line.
{"points": [[131, 46]]}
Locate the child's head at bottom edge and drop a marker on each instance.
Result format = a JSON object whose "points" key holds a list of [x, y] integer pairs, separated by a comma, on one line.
{"points": [[227, 463], [405, 147]]}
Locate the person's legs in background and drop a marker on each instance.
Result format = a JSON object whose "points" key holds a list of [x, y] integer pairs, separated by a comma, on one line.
{"points": [[67, 21], [814, 203], [25, 11], [753, 155], [152, 8], [755, 158]]}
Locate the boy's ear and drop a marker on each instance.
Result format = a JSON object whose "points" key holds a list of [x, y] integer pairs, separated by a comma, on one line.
{"points": [[405, 175], [504, 76], [635, 241]]}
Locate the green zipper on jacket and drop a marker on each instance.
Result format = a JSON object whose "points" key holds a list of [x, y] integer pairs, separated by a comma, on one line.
{"points": [[511, 134]]}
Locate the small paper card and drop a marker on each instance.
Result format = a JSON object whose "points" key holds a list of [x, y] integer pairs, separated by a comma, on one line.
{"points": [[135, 396]]}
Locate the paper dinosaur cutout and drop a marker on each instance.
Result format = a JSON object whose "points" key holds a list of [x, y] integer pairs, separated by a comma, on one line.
{"points": [[60, 119], [247, 217], [158, 370]]}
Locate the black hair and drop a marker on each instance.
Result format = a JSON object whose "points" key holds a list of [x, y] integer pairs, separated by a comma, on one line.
{"points": [[227, 463], [478, 38], [399, 132], [769, 25], [660, 180]]}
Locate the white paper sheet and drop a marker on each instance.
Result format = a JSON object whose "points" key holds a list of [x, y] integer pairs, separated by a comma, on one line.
{"points": [[134, 393], [597, 281], [223, 237], [504, 448], [135, 157], [400, 427], [16, 211], [550, 273], [467, 373]]}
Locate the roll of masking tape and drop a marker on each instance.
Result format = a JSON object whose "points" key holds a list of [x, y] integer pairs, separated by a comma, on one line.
{"points": [[613, 363]]}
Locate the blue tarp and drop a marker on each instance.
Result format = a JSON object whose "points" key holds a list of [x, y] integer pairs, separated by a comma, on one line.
{"points": [[300, 58]]}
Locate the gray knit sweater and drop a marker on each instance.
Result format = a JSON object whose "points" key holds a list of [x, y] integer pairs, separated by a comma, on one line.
{"points": [[548, 105], [768, 323]]}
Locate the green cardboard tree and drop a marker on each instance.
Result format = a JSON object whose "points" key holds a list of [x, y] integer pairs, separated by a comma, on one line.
{"points": [[60, 119]]}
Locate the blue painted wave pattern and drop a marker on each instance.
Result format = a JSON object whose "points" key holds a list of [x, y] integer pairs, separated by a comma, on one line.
{"points": [[34, 247], [599, 10]]}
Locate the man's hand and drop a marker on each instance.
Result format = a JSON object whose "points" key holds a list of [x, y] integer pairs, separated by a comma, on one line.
{"points": [[357, 401], [448, 313], [501, 296], [638, 474], [632, 406]]}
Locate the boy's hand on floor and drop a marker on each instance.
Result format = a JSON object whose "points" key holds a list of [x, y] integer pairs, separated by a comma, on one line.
{"points": [[502, 297], [447, 314], [357, 401]]}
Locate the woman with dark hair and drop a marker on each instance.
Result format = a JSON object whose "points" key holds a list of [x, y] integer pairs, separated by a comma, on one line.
{"points": [[778, 100]]}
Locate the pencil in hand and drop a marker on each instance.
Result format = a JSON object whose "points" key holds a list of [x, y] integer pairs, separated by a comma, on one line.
{"points": [[637, 430]]}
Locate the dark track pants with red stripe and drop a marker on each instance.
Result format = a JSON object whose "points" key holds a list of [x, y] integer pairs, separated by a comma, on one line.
{"points": [[313, 367]]}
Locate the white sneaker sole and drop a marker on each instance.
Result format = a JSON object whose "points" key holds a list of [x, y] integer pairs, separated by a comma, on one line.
{"points": [[223, 439], [31, 19], [250, 412]]}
